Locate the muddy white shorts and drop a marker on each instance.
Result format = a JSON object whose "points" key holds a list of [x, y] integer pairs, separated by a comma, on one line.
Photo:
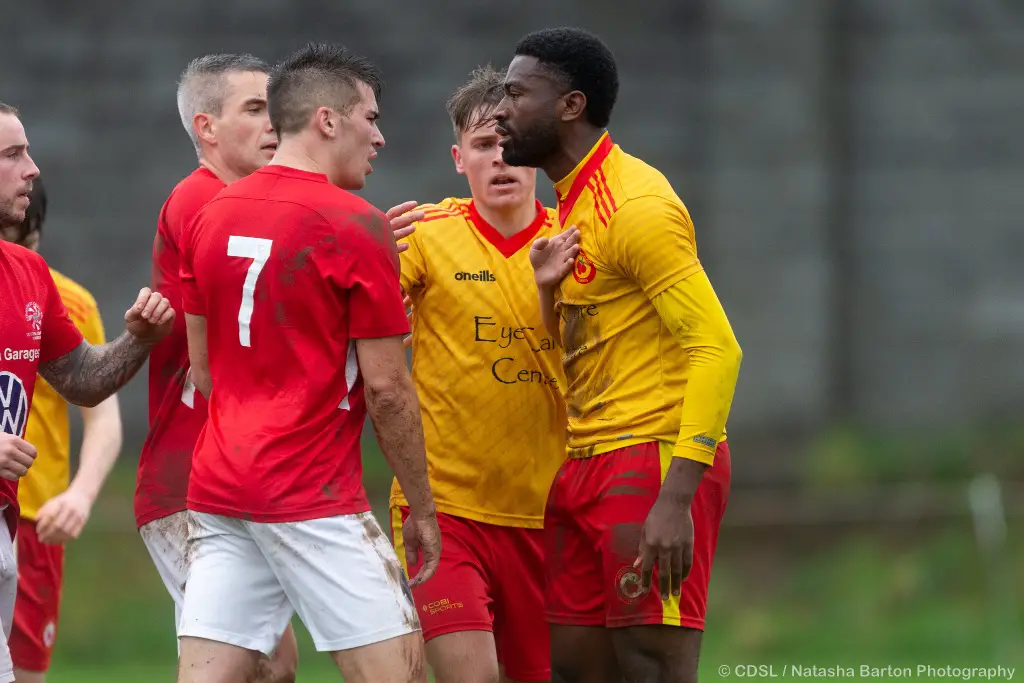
{"points": [[166, 539], [340, 574], [8, 592]]}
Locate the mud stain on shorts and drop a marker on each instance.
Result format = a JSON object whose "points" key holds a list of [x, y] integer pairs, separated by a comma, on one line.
{"points": [[375, 537]]}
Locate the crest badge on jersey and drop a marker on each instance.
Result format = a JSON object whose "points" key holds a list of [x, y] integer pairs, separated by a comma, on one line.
{"points": [[13, 404], [583, 271], [628, 586], [34, 317]]}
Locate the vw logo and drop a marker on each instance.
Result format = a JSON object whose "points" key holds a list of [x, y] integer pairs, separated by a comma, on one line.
{"points": [[13, 404]]}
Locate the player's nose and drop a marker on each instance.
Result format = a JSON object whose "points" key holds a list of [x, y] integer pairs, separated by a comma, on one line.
{"points": [[32, 171]]}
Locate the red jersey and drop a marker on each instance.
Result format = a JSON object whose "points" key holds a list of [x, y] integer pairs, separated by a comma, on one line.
{"points": [[34, 328], [177, 412], [289, 271]]}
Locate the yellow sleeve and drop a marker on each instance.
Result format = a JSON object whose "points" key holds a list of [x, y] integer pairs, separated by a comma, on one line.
{"points": [[652, 242], [414, 266], [691, 310]]}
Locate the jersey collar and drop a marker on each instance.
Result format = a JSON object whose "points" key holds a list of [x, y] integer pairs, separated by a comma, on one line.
{"points": [[508, 246], [569, 188]]}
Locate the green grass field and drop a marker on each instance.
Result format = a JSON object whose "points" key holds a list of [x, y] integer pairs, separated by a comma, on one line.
{"points": [[882, 594]]}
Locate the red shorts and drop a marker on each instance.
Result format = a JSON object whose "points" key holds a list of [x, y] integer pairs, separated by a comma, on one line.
{"points": [[596, 510], [40, 571], [489, 579]]}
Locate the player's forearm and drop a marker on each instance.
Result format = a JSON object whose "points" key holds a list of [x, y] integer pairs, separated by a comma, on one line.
{"points": [[198, 354], [395, 412], [101, 444], [547, 310], [693, 313], [89, 374]]}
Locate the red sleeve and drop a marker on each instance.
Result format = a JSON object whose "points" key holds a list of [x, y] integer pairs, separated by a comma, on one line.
{"points": [[375, 307], [60, 335], [191, 300]]}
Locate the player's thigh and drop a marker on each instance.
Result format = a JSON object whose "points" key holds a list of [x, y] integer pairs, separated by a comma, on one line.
{"points": [[166, 539], [8, 594], [208, 661], [573, 576], [582, 654], [232, 595], [395, 660], [342, 577], [463, 657], [520, 628], [37, 607]]}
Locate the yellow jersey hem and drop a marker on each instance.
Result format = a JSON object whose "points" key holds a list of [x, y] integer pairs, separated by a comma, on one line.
{"points": [[496, 519], [607, 447]]}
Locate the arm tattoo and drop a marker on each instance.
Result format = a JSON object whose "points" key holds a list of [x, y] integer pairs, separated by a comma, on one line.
{"points": [[89, 374]]}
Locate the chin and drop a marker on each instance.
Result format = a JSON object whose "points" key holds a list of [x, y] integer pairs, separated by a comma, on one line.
{"points": [[501, 200]]}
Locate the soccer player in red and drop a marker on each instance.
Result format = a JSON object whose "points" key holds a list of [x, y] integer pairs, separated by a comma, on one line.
{"points": [[651, 365], [222, 102], [468, 274], [295, 324], [38, 336], [55, 507]]}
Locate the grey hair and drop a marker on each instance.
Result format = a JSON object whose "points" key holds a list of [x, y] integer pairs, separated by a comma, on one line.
{"points": [[201, 88]]}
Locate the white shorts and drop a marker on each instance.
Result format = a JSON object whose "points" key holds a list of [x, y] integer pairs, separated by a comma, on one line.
{"points": [[166, 540], [8, 592], [340, 574]]}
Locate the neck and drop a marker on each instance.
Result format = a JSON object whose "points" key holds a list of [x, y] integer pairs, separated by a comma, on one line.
{"points": [[213, 163], [571, 153], [293, 152], [509, 220]]}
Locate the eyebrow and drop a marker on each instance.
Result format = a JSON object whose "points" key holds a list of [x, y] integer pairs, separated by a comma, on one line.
{"points": [[254, 100], [12, 148]]}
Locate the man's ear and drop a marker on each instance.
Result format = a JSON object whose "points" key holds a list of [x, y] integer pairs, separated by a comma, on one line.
{"points": [[203, 125], [457, 158], [325, 122], [573, 106]]}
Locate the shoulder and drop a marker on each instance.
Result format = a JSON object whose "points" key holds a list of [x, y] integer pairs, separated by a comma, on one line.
{"points": [[191, 194], [446, 210], [24, 258], [629, 179]]}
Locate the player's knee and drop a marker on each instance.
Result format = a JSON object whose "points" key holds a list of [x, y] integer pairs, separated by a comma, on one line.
{"points": [[658, 654]]}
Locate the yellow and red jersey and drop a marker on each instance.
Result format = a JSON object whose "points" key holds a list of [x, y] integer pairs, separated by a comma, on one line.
{"points": [[488, 375], [48, 427], [626, 371]]}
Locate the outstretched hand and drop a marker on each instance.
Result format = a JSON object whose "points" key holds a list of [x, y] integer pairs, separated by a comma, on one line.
{"points": [[553, 258]]}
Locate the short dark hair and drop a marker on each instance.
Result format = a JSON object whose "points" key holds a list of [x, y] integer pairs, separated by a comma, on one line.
{"points": [[35, 214], [583, 61], [201, 87], [8, 109], [472, 105], [318, 75]]}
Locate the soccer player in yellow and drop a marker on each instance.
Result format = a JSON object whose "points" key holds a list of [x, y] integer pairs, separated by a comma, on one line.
{"points": [[52, 511], [488, 377], [651, 365]]}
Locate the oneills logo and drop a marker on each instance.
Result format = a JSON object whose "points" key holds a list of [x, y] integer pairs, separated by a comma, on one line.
{"points": [[584, 271]]}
